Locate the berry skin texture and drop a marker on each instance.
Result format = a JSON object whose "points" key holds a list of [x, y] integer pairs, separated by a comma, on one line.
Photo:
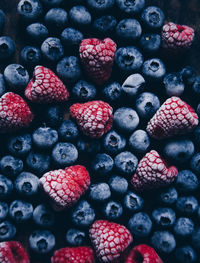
{"points": [[73, 255], [153, 172], [177, 38], [45, 87], [9, 48], [173, 117], [97, 58], [93, 118], [65, 187], [13, 252], [15, 113], [110, 240], [146, 253]]}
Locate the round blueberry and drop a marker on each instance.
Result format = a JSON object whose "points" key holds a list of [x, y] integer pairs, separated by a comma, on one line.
{"points": [[112, 210], [2, 85], [7, 48], [185, 254], [154, 69], [186, 181], [195, 163], [196, 238], [139, 141], [44, 137], [43, 216], [20, 145], [52, 49], [6, 186], [187, 205], [26, 184], [130, 7], [100, 6], [188, 75], [30, 56], [133, 202], [174, 85], [168, 196], [53, 115], [113, 142], [2, 20], [196, 86], [164, 217], [102, 163], [80, 16], [75, 237], [126, 163], [140, 224], [29, 10], [105, 25], [3, 210], [128, 29], [56, 19], [20, 211], [153, 17], [39, 163], [71, 37], [150, 43], [99, 192], [84, 91], [163, 241], [7, 231], [68, 131], [42, 241], [118, 185], [112, 92], [11, 166], [83, 214], [133, 85], [183, 227], [37, 32]]}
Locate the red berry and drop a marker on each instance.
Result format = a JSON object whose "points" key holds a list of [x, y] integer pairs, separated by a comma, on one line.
{"points": [[97, 58], [110, 240], [143, 254], [173, 117], [13, 252], [45, 87], [153, 172], [94, 117], [73, 255], [14, 113], [65, 187]]}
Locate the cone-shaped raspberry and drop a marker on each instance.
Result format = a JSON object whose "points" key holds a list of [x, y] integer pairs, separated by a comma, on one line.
{"points": [[73, 255], [94, 117], [153, 172], [65, 187], [14, 113], [13, 252], [45, 87], [173, 117], [97, 57], [110, 240]]}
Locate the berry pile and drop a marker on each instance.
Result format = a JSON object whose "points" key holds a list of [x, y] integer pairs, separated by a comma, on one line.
{"points": [[99, 158]]}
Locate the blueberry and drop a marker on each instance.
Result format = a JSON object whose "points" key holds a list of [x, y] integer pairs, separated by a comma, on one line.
{"points": [[102, 164], [2, 20], [133, 85], [39, 163], [168, 196], [185, 254], [139, 141], [64, 154], [100, 6], [7, 231], [179, 151], [56, 19], [27, 184], [37, 32], [150, 43], [68, 131], [88, 146], [196, 86], [183, 227], [153, 17], [80, 16], [6, 187], [164, 217], [174, 85], [118, 185], [71, 37], [113, 142], [2, 85], [186, 181], [20, 145], [140, 224], [104, 25], [29, 10], [112, 210], [133, 202], [112, 92], [195, 163], [83, 214], [126, 119], [20, 211], [11, 166], [30, 56], [188, 75], [187, 205], [128, 59], [154, 69], [99, 192], [43, 216], [69, 69], [41, 241], [53, 115], [44, 138], [16, 76], [84, 91], [163, 241], [130, 7], [75, 237], [196, 238], [126, 163], [51, 3], [128, 29], [3, 210], [7, 48], [52, 49]]}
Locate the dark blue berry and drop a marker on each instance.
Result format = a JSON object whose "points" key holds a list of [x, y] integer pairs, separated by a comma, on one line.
{"points": [[113, 142], [2, 20], [140, 224], [2, 85], [130, 7], [118, 185], [183, 227], [133, 85], [195, 163], [196, 238], [128, 29], [7, 48], [188, 75], [42, 241], [87, 146], [7, 231], [164, 217], [3, 210], [6, 186], [133, 202], [174, 85], [185, 254], [11, 166], [44, 138], [186, 181], [20, 211], [39, 163], [112, 92], [68, 131], [196, 86], [30, 56], [52, 49], [100, 6], [105, 25], [53, 115], [168, 196], [75, 237], [187, 205], [139, 141], [71, 37], [163, 241], [43, 216], [197, 135], [102, 163], [64, 154], [27, 184], [126, 119], [29, 10], [112, 210], [56, 19], [126, 163], [51, 3], [99, 192], [153, 17], [84, 91], [37, 32], [80, 16], [150, 43], [154, 69], [69, 69], [20, 145]]}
